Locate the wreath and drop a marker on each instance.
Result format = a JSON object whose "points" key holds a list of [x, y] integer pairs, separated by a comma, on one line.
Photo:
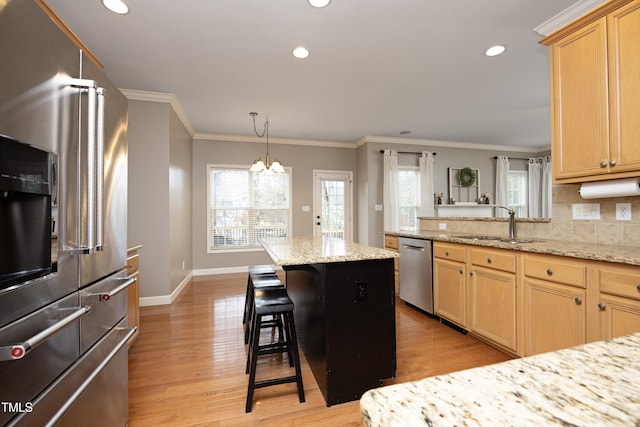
{"points": [[467, 177]]}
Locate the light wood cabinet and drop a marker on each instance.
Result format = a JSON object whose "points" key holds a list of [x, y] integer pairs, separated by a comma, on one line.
{"points": [[492, 296], [619, 300], [555, 303], [449, 282], [595, 95], [133, 291], [391, 243]]}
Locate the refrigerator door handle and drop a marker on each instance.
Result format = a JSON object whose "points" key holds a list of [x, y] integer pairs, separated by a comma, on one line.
{"points": [[106, 296], [88, 243], [18, 351], [100, 170]]}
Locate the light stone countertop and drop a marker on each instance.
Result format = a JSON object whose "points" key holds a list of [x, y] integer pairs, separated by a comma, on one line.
{"points": [[592, 251], [319, 250], [596, 384]]}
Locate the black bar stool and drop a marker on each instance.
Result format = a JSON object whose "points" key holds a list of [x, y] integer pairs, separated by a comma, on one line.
{"points": [[276, 302], [255, 283], [254, 271]]}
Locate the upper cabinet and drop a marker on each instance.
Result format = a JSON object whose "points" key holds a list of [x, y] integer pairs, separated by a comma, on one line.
{"points": [[595, 95]]}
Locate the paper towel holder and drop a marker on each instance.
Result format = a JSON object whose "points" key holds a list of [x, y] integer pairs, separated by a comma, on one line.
{"points": [[612, 188]]}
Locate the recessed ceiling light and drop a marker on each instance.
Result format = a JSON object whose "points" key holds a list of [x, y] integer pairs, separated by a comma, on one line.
{"points": [[319, 3], [495, 50], [405, 132], [116, 6], [300, 52]]}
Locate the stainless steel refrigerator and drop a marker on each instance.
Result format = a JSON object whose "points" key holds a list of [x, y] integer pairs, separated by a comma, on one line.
{"points": [[63, 229]]}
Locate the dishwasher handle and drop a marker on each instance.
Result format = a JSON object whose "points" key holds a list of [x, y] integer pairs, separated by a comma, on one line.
{"points": [[412, 247]]}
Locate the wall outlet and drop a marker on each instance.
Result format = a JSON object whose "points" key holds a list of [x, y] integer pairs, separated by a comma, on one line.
{"points": [[442, 226], [586, 211], [378, 208], [306, 208], [183, 264], [623, 211]]}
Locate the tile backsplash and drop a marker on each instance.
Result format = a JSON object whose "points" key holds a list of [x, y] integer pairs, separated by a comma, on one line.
{"points": [[562, 226]]}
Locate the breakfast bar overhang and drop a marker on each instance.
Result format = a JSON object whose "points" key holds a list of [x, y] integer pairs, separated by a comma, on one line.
{"points": [[344, 311]]}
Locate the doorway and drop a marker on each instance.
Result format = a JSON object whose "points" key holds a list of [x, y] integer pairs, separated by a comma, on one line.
{"points": [[332, 204]]}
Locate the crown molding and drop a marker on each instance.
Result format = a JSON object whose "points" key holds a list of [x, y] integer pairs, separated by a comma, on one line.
{"points": [[272, 140], [450, 144], [169, 98], [566, 16]]}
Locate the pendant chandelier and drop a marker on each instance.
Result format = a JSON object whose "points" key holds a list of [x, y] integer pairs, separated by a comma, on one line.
{"points": [[266, 165]]}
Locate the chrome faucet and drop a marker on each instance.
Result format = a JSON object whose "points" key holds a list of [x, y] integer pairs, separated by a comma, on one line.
{"points": [[512, 221]]}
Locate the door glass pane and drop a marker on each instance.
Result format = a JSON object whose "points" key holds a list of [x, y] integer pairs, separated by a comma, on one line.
{"points": [[333, 208]]}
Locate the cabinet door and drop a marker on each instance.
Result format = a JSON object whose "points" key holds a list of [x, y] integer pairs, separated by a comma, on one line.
{"points": [[554, 316], [618, 316], [449, 290], [623, 27], [492, 303], [580, 115]]}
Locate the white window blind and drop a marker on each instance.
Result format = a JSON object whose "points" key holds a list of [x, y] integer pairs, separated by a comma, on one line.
{"points": [[409, 191], [517, 192], [245, 206]]}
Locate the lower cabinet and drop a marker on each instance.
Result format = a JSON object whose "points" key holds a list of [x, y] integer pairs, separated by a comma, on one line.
{"points": [[528, 303], [554, 316], [449, 295], [450, 282], [492, 306], [133, 291], [619, 300], [391, 243], [618, 316]]}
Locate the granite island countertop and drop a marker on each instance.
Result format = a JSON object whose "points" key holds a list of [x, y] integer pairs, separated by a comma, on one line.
{"points": [[596, 384], [319, 250], [592, 251]]}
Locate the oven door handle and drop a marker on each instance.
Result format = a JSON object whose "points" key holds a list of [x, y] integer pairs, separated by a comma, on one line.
{"points": [[106, 296], [18, 351]]}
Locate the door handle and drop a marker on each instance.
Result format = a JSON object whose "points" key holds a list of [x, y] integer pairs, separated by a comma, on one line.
{"points": [[412, 247]]}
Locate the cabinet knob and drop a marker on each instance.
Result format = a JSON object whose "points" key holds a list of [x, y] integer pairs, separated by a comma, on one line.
{"points": [[612, 162], [471, 273], [638, 288], [549, 271], [488, 260], [446, 254], [461, 272], [602, 306], [578, 300], [603, 164]]}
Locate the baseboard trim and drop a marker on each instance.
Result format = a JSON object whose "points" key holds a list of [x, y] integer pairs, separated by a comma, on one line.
{"points": [[168, 299]]}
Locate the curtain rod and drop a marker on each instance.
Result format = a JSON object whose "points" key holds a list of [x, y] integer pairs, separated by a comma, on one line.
{"points": [[515, 158], [408, 152]]}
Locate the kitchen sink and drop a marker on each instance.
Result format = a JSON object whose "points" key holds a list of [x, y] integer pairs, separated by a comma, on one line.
{"points": [[475, 237]]}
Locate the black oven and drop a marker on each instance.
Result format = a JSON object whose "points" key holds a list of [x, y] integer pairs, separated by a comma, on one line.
{"points": [[27, 212]]}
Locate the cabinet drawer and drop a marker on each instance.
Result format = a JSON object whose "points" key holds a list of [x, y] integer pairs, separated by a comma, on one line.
{"points": [[391, 242], [495, 259], [556, 269], [449, 251], [133, 264], [620, 280]]}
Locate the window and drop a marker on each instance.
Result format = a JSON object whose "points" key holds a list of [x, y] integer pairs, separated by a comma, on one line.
{"points": [[245, 206], [409, 191], [517, 193]]}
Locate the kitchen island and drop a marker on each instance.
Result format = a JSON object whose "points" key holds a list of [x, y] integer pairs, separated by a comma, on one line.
{"points": [[344, 311], [594, 384]]}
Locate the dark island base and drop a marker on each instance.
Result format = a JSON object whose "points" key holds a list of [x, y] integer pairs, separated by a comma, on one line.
{"points": [[345, 319]]}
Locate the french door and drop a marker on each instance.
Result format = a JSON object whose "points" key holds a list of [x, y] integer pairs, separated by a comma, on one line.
{"points": [[332, 204]]}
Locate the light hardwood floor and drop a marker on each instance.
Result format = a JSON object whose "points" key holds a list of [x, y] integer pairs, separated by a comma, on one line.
{"points": [[187, 366]]}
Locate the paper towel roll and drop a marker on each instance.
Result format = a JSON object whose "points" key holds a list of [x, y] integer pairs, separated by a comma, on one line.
{"points": [[614, 188]]}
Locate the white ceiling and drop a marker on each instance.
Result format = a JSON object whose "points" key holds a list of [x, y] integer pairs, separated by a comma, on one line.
{"points": [[377, 67]]}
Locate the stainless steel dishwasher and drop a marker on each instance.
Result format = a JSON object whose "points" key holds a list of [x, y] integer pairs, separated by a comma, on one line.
{"points": [[416, 273]]}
